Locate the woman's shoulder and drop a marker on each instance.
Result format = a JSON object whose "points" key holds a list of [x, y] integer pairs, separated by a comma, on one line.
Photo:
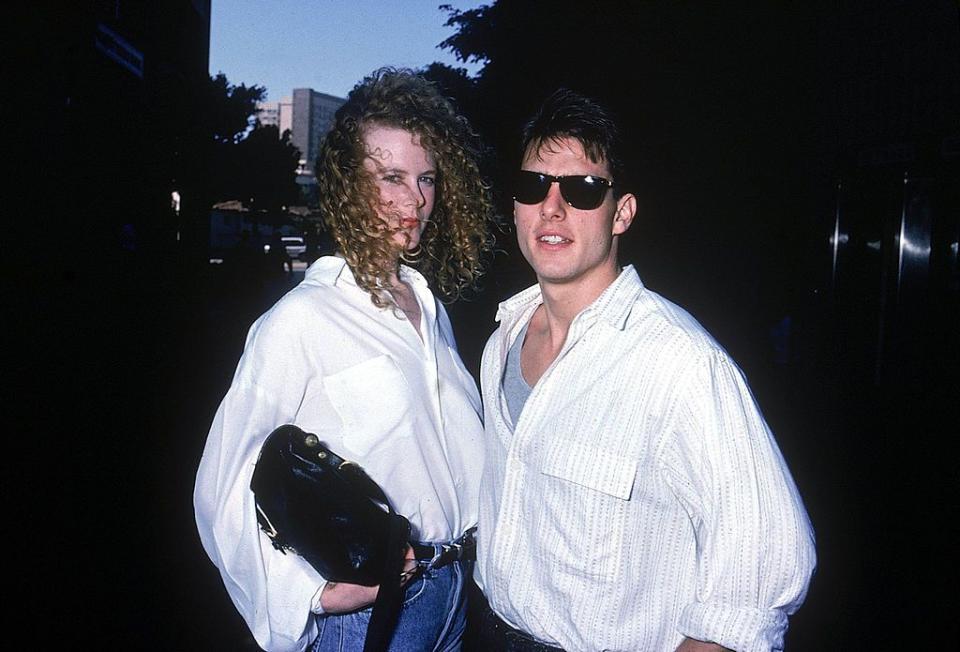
{"points": [[307, 306]]}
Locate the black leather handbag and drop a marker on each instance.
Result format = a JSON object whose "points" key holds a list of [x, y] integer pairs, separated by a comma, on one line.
{"points": [[330, 512]]}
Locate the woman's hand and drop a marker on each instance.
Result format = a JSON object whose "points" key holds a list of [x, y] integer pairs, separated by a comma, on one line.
{"points": [[340, 597]]}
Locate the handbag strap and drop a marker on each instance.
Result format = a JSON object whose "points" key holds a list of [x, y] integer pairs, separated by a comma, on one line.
{"points": [[386, 608]]}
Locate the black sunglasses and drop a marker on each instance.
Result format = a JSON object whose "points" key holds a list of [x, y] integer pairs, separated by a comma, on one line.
{"points": [[582, 191]]}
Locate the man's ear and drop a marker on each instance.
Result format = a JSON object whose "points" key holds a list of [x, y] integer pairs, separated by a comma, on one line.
{"points": [[626, 211]]}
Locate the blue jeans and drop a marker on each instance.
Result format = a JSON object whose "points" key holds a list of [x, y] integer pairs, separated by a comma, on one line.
{"points": [[433, 616]]}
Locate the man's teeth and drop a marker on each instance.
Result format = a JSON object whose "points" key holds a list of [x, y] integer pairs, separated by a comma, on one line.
{"points": [[552, 239]]}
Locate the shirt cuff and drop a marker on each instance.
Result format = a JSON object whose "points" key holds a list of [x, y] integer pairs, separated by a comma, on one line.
{"points": [[742, 629], [315, 602]]}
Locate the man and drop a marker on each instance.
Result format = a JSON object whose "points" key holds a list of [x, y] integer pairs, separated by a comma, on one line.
{"points": [[633, 497]]}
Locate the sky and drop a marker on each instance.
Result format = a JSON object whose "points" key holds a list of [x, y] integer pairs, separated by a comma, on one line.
{"points": [[326, 45]]}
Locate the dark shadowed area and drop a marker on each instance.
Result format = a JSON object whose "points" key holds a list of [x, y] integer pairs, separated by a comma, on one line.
{"points": [[798, 171]]}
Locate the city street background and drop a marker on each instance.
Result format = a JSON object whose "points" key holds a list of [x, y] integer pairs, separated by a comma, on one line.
{"points": [[798, 170]]}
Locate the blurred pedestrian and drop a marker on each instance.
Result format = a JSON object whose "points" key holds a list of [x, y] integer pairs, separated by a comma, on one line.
{"points": [[279, 259]]}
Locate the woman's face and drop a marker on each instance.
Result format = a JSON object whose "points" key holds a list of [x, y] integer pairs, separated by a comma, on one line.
{"points": [[405, 174]]}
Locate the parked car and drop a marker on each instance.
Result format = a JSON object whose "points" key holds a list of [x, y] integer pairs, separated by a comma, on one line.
{"points": [[294, 245]]}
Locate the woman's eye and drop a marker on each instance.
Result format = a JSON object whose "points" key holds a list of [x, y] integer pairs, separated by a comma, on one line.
{"points": [[427, 181], [392, 178]]}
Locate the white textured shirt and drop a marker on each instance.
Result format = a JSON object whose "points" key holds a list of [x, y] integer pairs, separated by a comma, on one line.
{"points": [[640, 498], [328, 360]]}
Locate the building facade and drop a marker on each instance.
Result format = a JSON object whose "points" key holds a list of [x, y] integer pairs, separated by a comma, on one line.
{"points": [[308, 115], [279, 114]]}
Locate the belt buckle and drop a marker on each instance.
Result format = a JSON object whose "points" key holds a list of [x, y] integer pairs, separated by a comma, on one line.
{"points": [[445, 553], [428, 564]]}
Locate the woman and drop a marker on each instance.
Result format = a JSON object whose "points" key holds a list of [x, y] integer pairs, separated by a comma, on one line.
{"points": [[362, 354]]}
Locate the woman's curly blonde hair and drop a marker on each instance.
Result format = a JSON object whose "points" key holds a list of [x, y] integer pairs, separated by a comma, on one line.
{"points": [[456, 238]]}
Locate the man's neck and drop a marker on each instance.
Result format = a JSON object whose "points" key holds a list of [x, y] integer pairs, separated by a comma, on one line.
{"points": [[550, 323], [562, 302]]}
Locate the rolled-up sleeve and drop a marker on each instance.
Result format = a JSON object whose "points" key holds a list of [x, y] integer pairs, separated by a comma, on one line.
{"points": [[755, 541], [274, 591]]}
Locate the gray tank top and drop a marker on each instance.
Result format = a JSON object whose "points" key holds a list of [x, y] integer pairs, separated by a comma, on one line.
{"points": [[515, 388]]}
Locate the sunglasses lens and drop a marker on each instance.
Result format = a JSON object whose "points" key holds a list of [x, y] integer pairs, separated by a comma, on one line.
{"points": [[584, 193], [530, 187]]}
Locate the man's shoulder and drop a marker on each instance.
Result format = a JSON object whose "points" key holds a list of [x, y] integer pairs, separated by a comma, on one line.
{"points": [[663, 323]]}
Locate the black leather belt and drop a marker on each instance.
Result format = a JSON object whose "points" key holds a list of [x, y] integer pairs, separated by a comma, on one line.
{"points": [[438, 555], [497, 636]]}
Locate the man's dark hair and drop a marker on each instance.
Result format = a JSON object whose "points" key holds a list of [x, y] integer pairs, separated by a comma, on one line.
{"points": [[566, 114]]}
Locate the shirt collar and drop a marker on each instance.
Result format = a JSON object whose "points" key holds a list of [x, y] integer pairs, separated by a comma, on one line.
{"points": [[328, 269], [412, 276], [331, 270], [612, 306]]}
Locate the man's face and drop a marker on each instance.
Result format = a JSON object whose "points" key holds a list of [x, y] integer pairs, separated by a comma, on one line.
{"points": [[566, 245], [405, 174]]}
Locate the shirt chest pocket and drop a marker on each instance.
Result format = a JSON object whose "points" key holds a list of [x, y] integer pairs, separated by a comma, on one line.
{"points": [[591, 467], [374, 402], [585, 506]]}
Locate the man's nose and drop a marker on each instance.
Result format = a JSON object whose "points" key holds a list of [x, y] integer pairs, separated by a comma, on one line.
{"points": [[553, 207]]}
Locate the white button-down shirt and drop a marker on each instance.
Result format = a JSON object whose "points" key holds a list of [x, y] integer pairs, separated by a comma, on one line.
{"points": [[640, 497], [361, 378]]}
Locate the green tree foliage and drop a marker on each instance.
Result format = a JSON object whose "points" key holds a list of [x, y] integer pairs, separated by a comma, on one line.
{"points": [[230, 111], [717, 102], [713, 85], [248, 162], [455, 84], [267, 169]]}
